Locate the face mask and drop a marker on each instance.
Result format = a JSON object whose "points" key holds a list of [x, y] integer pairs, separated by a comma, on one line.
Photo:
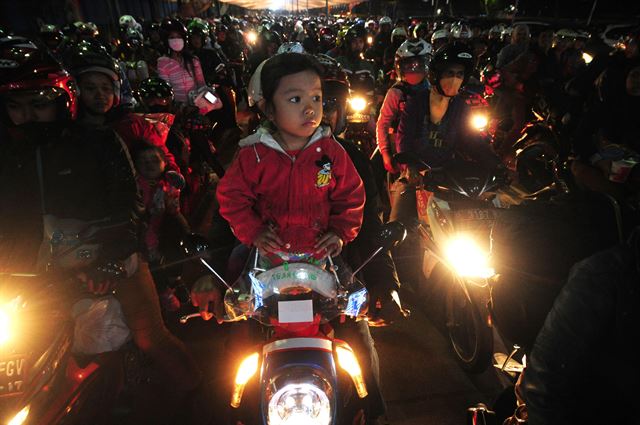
{"points": [[176, 44]]}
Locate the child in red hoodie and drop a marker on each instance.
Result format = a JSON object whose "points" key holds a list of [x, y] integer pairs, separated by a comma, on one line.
{"points": [[292, 190]]}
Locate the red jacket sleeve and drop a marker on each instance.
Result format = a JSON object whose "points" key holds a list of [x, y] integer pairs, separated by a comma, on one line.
{"points": [[347, 197], [237, 198]]}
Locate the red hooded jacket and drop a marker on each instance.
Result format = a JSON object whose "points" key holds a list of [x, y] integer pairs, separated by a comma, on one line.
{"points": [[301, 196]]}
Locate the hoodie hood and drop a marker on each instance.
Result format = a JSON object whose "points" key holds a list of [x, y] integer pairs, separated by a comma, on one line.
{"points": [[264, 136]]}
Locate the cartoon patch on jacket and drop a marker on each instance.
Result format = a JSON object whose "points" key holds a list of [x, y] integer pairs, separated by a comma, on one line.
{"points": [[323, 178]]}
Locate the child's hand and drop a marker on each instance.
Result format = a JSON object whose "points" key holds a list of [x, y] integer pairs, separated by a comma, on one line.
{"points": [[268, 241], [330, 242]]}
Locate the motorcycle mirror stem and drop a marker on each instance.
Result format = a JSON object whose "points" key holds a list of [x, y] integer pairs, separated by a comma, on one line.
{"points": [[391, 235]]}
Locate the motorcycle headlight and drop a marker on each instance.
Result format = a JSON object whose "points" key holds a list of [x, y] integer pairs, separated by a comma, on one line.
{"points": [[299, 403], [468, 259], [369, 40], [20, 417], [358, 104], [252, 37], [587, 58], [6, 331], [479, 121]]}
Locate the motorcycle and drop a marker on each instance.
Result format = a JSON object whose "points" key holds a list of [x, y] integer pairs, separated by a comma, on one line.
{"points": [[301, 373], [453, 212], [361, 113], [48, 375]]}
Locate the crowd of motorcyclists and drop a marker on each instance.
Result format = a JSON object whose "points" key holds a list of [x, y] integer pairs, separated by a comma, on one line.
{"points": [[239, 128]]}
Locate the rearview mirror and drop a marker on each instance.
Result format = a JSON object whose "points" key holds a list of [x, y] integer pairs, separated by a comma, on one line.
{"points": [[391, 235]]}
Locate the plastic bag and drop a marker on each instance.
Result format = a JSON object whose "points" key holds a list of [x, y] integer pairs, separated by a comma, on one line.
{"points": [[99, 326]]}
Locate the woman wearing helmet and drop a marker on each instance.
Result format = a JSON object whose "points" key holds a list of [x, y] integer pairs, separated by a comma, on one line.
{"points": [[179, 67], [436, 124], [398, 36], [411, 64], [88, 177]]}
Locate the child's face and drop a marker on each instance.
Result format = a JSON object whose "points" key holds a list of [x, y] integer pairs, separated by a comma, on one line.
{"points": [[297, 106], [96, 92], [150, 164]]}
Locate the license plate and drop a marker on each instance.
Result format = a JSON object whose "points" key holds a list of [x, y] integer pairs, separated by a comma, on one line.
{"points": [[13, 371], [358, 118], [475, 214]]}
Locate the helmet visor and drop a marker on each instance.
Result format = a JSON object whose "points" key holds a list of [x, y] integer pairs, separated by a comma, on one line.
{"points": [[415, 64]]}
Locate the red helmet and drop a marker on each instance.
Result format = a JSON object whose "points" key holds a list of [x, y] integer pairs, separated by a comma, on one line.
{"points": [[26, 67]]}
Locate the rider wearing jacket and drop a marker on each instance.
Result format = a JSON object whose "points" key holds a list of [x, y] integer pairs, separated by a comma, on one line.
{"points": [[55, 167], [570, 377], [437, 123]]}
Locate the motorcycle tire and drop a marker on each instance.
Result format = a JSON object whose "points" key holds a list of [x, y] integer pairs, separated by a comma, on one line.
{"points": [[469, 334]]}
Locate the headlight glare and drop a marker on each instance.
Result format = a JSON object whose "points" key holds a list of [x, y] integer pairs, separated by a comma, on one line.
{"points": [[479, 121], [468, 259], [358, 104], [299, 403], [5, 326]]}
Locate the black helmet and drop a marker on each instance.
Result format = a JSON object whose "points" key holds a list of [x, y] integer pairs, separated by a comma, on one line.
{"points": [[51, 36], [155, 88], [89, 57], [172, 25], [26, 67], [355, 31], [451, 53], [269, 36]]}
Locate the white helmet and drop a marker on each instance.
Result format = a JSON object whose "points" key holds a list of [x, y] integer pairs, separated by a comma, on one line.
{"points": [[506, 32], [127, 21], [497, 29], [439, 35], [254, 88], [291, 47], [385, 20], [370, 22], [566, 33], [411, 48], [461, 31], [399, 32]]}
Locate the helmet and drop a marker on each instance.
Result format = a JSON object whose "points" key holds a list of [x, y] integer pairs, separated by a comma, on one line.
{"points": [[341, 37], [87, 29], [422, 26], [369, 23], [398, 32], [134, 36], [385, 20], [454, 52], [50, 35], [291, 47], [172, 25], [268, 36], [355, 31], [87, 57], [439, 35], [490, 76], [127, 21], [411, 50], [26, 67], [155, 90], [332, 70], [497, 29], [566, 33], [327, 33], [461, 31], [198, 26]]}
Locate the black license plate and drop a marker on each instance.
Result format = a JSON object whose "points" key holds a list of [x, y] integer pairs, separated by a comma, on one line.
{"points": [[474, 214], [13, 371]]}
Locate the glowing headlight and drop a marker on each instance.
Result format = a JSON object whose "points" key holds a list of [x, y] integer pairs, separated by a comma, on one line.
{"points": [[20, 417], [369, 40], [296, 404], [468, 259], [358, 103], [252, 37], [587, 58], [247, 369], [479, 121], [5, 326]]}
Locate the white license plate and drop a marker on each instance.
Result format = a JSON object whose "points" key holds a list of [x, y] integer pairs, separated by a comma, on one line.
{"points": [[13, 371], [358, 118], [300, 311], [475, 214]]}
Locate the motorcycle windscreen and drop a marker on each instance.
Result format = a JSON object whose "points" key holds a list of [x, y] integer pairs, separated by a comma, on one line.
{"points": [[294, 293], [299, 386]]}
